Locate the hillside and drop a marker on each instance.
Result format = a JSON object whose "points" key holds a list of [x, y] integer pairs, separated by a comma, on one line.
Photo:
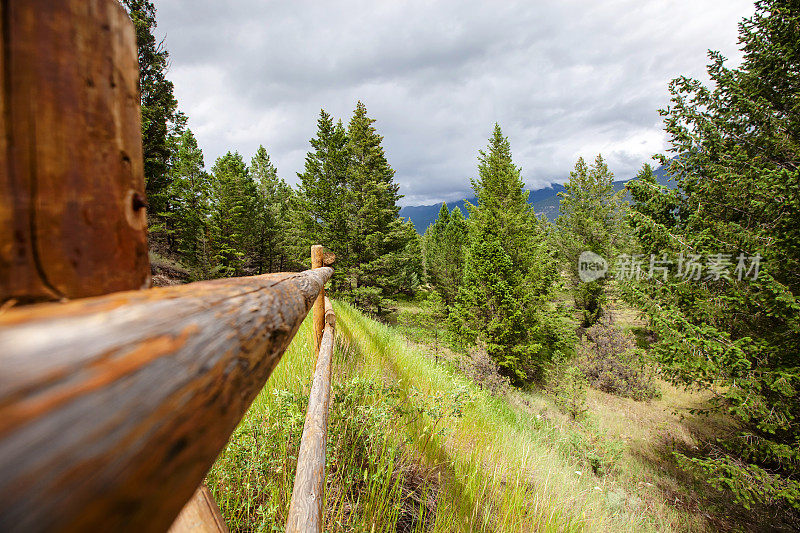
{"points": [[545, 202], [423, 438]]}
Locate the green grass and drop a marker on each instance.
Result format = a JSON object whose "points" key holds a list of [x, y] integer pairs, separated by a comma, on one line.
{"points": [[415, 446]]}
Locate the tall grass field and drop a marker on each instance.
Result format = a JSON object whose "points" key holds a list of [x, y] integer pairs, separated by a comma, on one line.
{"points": [[413, 445]]}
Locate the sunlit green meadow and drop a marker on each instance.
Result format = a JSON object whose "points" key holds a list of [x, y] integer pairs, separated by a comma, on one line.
{"points": [[415, 446]]}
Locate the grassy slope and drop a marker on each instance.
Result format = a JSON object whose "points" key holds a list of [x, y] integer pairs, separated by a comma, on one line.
{"points": [[414, 446]]}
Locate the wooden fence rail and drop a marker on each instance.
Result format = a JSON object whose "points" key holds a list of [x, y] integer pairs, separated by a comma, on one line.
{"points": [[114, 406], [305, 510], [112, 409]]}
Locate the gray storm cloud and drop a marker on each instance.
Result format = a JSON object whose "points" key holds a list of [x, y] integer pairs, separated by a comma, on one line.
{"points": [[564, 79]]}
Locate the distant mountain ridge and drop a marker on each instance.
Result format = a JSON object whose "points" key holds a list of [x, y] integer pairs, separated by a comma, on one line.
{"points": [[544, 202]]}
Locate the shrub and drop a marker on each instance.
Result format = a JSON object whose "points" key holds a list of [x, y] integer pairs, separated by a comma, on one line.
{"points": [[594, 449], [612, 363], [570, 391], [567, 384], [484, 370]]}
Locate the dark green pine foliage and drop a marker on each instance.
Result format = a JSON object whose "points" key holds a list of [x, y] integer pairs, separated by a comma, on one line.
{"points": [[321, 215], [378, 237], [655, 215], [433, 240], [159, 108], [271, 217], [436, 230], [489, 308], [507, 273], [739, 179], [189, 192], [233, 205], [445, 247], [411, 261], [589, 221]]}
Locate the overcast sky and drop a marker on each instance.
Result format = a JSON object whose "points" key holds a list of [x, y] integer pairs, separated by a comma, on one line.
{"points": [[563, 78]]}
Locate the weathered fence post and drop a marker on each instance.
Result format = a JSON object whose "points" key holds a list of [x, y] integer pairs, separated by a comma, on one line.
{"points": [[200, 515], [319, 304], [73, 218], [72, 205]]}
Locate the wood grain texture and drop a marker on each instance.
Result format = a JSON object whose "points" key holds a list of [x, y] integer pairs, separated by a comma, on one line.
{"points": [[70, 151], [319, 305], [330, 315], [200, 515], [113, 408], [305, 509]]}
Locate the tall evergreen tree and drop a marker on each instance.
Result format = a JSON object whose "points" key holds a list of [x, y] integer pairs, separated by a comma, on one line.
{"points": [[655, 213], [189, 193], [233, 202], [739, 203], [273, 199], [158, 106], [445, 247], [411, 267], [490, 308], [433, 247], [507, 274], [376, 231], [435, 232], [322, 213], [589, 221]]}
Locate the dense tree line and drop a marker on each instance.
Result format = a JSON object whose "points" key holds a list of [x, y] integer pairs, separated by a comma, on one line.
{"points": [[241, 219]]}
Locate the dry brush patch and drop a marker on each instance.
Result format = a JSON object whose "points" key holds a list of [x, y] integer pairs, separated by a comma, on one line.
{"points": [[612, 363]]}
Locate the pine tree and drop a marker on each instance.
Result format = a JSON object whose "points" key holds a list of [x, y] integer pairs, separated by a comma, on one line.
{"points": [[456, 240], [503, 209], [738, 173], [445, 247], [232, 210], [589, 221], [158, 107], [375, 230], [507, 273], [489, 309], [434, 248], [411, 268], [347, 200], [321, 212], [655, 214], [273, 198], [189, 194]]}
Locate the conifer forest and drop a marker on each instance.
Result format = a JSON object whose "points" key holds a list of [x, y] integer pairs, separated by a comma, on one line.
{"points": [[627, 359]]}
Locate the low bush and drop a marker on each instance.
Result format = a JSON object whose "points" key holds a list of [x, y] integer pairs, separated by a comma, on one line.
{"points": [[568, 385], [484, 371], [594, 449], [612, 363]]}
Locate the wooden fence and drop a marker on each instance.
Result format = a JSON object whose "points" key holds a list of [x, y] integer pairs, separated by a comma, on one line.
{"points": [[115, 401]]}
